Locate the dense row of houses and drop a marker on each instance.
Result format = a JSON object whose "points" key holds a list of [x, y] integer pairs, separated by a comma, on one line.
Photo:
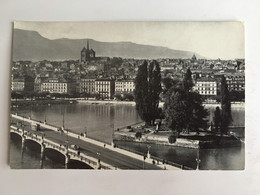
{"points": [[104, 87], [107, 87]]}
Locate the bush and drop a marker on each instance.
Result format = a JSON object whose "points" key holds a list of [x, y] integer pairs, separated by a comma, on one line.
{"points": [[138, 135], [172, 139]]}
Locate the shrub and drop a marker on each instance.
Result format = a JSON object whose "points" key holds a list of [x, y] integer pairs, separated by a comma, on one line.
{"points": [[138, 135], [172, 139]]}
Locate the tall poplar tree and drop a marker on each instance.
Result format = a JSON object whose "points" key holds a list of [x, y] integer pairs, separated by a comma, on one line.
{"points": [[154, 88], [187, 82], [147, 91], [217, 119], [226, 116]]}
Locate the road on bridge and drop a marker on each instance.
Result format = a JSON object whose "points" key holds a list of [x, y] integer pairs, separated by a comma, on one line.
{"points": [[113, 158]]}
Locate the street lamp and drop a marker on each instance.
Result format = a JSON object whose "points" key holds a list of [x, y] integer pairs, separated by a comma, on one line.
{"points": [[85, 133], [45, 119], [113, 132], [198, 160], [98, 164], [144, 161], [148, 153]]}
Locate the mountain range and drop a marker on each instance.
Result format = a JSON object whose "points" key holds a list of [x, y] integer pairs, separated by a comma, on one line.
{"points": [[30, 45]]}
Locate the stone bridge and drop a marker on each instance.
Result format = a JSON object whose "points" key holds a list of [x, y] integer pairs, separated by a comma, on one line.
{"points": [[68, 152]]}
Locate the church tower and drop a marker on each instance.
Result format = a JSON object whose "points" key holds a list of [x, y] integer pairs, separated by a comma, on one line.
{"points": [[87, 54]]}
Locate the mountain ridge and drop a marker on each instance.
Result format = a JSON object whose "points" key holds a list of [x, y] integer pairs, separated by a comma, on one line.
{"points": [[31, 45]]}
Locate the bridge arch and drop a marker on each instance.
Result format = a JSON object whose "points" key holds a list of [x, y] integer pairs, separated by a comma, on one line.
{"points": [[15, 136], [32, 144], [54, 155], [76, 164]]}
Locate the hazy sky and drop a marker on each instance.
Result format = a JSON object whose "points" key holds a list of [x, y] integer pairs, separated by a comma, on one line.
{"points": [[223, 40]]}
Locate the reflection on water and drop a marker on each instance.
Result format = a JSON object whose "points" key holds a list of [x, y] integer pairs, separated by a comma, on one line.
{"points": [[99, 120], [238, 114]]}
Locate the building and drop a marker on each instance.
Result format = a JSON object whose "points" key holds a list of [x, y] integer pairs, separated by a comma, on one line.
{"points": [[194, 58], [37, 83], [87, 54], [124, 86], [55, 85], [22, 84], [206, 87], [87, 85], [105, 87], [236, 82]]}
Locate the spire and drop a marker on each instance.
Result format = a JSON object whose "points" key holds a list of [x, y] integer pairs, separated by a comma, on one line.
{"points": [[87, 45]]}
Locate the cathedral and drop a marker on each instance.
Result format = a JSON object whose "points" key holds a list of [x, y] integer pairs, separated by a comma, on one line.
{"points": [[87, 54]]}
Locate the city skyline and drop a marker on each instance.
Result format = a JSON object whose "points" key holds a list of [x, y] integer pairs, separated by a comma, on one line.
{"points": [[213, 40]]}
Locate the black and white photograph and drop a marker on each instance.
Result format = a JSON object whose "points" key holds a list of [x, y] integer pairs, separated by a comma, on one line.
{"points": [[128, 96]]}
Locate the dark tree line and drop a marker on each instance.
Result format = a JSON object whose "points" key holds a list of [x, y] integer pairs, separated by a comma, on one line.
{"points": [[183, 109]]}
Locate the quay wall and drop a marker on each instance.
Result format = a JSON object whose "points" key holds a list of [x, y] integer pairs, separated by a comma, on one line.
{"points": [[218, 142]]}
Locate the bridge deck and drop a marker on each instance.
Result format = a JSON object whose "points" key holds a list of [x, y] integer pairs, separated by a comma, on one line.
{"points": [[115, 157]]}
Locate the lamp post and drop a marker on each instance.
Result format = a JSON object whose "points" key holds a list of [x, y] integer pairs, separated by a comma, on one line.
{"points": [[98, 163], [45, 119], [148, 152], [85, 133], [198, 160], [30, 112], [113, 136], [144, 161]]}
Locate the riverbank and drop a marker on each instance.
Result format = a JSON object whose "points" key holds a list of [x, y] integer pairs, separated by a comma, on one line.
{"points": [[111, 102], [22, 102], [204, 139], [49, 102], [108, 102]]}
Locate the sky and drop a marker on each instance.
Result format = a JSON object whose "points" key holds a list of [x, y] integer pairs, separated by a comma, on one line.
{"points": [[224, 40]]}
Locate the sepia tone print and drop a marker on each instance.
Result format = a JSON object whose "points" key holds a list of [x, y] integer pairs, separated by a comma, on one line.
{"points": [[128, 95]]}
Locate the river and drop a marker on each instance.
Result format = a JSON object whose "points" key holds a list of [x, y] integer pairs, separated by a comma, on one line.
{"points": [[98, 120]]}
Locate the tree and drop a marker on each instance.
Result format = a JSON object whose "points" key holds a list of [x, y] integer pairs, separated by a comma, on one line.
{"points": [[187, 82], [195, 112], [15, 95], [226, 117], [118, 97], [147, 91], [196, 118], [183, 108], [154, 88], [168, 83], [128, 97], [141, 92], [217, 119], [175, 109]]}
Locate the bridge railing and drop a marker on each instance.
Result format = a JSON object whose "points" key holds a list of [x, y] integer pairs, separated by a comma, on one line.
{"points": [[62, 148]]}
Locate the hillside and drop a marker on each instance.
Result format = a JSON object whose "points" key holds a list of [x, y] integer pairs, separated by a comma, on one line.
{"points": [[30, 45]]}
